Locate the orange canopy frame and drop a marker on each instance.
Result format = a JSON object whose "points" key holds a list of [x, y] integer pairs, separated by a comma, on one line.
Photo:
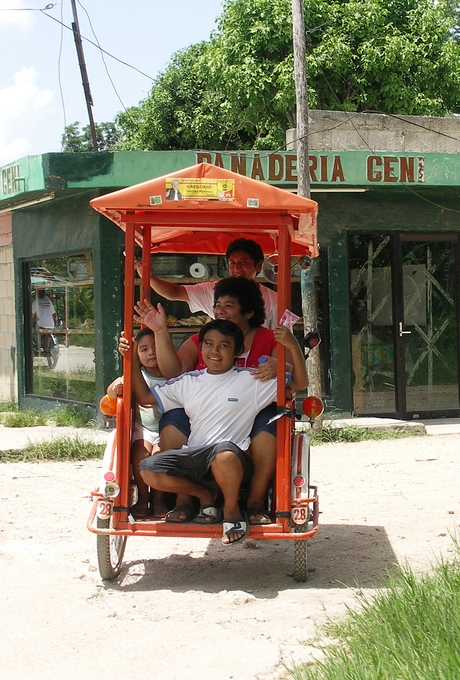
{"points": [[202, 208]]}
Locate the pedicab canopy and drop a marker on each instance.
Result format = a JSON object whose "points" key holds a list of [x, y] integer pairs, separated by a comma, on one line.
{"points": [[201, 209]]}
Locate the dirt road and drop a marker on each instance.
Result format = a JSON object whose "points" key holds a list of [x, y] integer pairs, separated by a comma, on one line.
{"points": [[193, 608]]}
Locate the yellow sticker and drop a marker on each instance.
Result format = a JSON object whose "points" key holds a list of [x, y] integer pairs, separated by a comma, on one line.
{"points": [[199, 189]]}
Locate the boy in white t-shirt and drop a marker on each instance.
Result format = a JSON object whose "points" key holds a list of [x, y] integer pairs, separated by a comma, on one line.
{"points": [[221, 402]]}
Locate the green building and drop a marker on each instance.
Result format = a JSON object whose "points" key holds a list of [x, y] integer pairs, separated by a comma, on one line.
{"points": [[387, 277]]}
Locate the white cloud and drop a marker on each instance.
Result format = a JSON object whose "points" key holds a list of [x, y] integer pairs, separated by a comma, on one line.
{"points": [[20, 104], [19, 17]]}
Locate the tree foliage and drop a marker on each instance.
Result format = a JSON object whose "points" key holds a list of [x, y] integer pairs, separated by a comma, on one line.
{"points": [[237, 89], [80, 139]]}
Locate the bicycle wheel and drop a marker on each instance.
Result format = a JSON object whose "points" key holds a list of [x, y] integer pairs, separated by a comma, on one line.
{"points": [[110, 551]]}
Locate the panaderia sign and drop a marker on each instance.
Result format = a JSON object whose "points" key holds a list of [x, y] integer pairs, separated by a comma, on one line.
{"points": [[346, 168]]}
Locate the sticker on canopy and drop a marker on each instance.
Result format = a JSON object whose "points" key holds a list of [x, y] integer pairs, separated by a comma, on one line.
{"points": [[155, 200], [253, 203], [199, 189]]}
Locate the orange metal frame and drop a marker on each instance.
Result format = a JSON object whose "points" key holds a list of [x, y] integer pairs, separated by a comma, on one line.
{"points": [[138, 228]]}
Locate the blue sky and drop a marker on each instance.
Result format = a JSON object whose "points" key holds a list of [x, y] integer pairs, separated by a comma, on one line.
{"points": [[37, 53]]}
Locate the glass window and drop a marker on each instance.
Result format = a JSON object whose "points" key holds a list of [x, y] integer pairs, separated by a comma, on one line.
{"points": [[60, 337], [372, 324]]}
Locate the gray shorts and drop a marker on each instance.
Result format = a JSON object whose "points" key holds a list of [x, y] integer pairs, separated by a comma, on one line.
{"points": [[195, 463]]}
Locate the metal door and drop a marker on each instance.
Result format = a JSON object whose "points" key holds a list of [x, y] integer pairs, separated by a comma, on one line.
{"points": [[404, 324], [426, 307]]}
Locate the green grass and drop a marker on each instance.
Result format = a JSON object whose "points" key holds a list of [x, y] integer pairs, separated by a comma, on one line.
{"points": [[8, 405], [63, 449], [25, 418], [352, 433], [61, 416], [408, 630]]}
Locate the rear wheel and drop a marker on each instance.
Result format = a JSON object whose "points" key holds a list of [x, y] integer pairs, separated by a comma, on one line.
{"points": [[301, 555], [110, 551]]}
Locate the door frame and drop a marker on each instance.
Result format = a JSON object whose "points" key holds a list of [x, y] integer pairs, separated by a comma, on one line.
{"points": [[398, 316]]}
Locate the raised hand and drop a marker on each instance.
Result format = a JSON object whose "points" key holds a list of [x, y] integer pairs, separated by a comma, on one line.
{"points": [[151, 316], [284, 336]]}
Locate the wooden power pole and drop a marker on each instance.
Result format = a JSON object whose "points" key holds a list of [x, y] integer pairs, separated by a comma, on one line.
{"points": [[303, 187], [84, 74]]}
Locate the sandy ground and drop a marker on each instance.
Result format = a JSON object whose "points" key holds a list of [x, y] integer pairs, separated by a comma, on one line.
{"points": [[192, 608]]}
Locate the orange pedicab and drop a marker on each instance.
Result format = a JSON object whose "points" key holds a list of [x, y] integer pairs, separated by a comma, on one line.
{"points": [[215, 207]]}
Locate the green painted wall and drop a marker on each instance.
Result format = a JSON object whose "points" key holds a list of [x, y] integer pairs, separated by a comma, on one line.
{"points": [[69, 227]]}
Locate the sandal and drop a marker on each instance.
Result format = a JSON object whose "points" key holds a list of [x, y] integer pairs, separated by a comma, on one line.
{"points": [[231, 527], [208, 514], [140, 511], [159, 510], [254, 512], [186, 510]]}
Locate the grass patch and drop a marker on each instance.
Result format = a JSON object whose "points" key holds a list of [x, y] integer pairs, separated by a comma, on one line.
{"points": [[352, 433], [73, 416], [62, 416], [8, 405], [25, 418], [408, 630], [63, 449]]}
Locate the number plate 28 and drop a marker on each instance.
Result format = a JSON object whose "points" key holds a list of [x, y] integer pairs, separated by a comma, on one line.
{"points": [[300, 515], [104, 509]]}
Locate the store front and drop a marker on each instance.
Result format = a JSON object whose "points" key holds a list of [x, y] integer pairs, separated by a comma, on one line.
{"points": [[387, 278]]}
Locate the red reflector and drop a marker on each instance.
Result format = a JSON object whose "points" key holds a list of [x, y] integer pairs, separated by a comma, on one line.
{"points": [[299, 481], [109, 476], [312, 407]]}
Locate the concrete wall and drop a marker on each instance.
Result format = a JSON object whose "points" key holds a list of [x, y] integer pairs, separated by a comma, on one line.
{"points": [[339, 131], [8, 359]]}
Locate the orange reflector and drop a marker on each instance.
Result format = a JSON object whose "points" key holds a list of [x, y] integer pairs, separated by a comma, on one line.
{"points": [[108, 406], [312, 407]]}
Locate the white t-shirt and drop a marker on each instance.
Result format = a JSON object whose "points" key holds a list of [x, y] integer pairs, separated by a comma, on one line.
{"points": [[201, 298], [221, 407], [44, 309]]}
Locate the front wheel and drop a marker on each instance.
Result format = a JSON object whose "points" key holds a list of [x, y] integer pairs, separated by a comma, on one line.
{"points": [[301, 555], [110, 551]]}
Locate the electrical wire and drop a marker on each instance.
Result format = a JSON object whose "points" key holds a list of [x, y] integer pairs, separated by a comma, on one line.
{"points": [[102, 55], [61, 92]]}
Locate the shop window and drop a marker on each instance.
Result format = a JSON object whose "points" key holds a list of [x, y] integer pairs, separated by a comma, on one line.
{"points": [[59, 333]]}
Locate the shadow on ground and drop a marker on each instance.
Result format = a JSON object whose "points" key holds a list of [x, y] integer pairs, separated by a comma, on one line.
{"points": [[340, 556]]}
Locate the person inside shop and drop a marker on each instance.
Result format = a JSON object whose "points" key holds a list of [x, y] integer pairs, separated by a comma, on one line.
{"points": [[222, 402], [244, 258], [44, 316]]}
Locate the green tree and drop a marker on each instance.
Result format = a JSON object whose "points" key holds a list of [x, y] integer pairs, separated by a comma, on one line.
{"points": [[236, 91], [80, 139]]}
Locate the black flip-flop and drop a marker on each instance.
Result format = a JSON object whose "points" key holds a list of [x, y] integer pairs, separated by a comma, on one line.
{"points": [[187, 510]]}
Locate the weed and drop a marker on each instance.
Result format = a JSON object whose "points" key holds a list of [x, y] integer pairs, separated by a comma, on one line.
{"points": [[26, 418], [61, 416], [352, 433], [62, 449], [8, 405], [409, 629]]}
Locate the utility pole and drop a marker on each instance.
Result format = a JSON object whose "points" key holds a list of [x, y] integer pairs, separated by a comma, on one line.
{"points": [[303, 188], [84, 74]]}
